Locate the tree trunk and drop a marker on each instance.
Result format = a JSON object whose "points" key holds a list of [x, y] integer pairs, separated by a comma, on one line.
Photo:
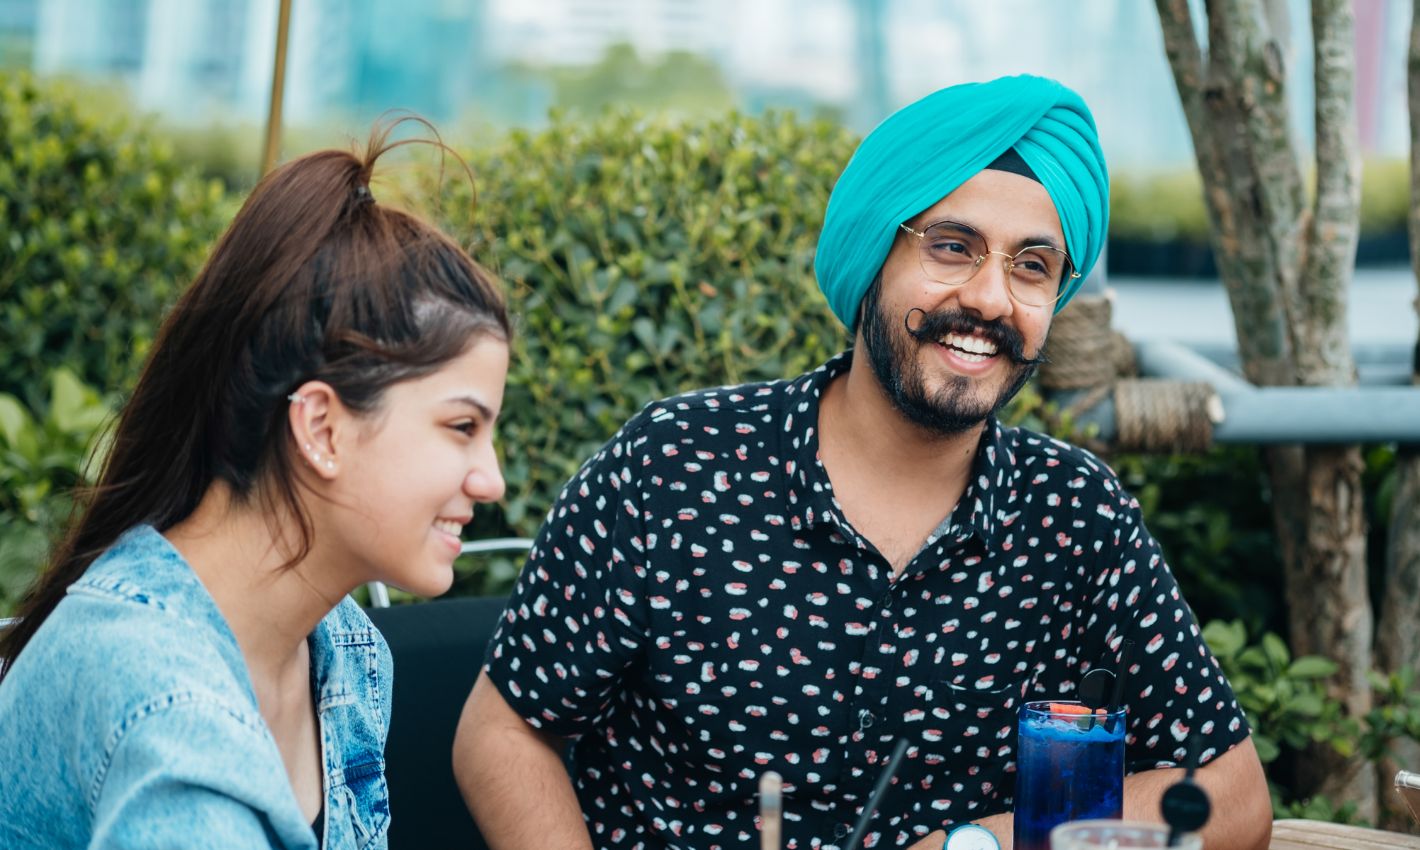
{"points": [[1286, 264], [1398, 632]]}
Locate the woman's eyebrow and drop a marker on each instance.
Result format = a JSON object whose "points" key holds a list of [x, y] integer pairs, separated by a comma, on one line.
{"points": [[470, 401]]}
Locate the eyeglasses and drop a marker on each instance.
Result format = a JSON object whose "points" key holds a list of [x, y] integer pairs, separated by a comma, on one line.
{"points": [[952, 253]]}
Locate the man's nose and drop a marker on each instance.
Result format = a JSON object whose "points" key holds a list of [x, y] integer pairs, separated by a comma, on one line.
{"points": [[988, 292]]}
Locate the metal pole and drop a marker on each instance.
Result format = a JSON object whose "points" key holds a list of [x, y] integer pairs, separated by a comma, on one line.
{"points": [[278, 86], [1269, 415]]}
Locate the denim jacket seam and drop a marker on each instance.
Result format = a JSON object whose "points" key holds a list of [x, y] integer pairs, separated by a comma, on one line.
{"points": [[152, 709], [375, 691], [119, 592]]}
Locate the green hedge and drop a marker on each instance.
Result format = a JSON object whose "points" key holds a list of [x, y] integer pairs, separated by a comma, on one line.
{"points": [[99, 227], [44, 455], [644, 257]]}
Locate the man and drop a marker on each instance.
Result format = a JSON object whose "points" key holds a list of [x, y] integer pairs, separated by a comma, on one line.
{"points": [[793, 576]]}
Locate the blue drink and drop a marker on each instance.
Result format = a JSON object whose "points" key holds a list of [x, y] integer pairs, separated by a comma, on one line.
{"points": [[1070, 767]]}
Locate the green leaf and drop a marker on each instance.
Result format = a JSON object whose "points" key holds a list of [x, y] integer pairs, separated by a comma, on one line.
{"points": [[1277, 652], [69, 401], [1225, 639], [1267, 750], [1311, 667], [15, 420]]}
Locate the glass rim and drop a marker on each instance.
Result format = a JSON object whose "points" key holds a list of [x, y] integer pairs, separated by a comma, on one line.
{"points": [[1041, 708], [1102, 828], [1111, 823]]}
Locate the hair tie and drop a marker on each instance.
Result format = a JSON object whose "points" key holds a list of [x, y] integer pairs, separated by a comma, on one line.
{"points": [[362, 195]]}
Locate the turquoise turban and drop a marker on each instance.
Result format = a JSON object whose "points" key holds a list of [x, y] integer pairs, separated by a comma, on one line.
{"points": [[924, 151]]}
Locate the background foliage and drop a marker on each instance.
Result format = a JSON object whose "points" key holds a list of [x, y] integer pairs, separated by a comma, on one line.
{"points": [[643, 257], [1167, 206], [99, 226]]}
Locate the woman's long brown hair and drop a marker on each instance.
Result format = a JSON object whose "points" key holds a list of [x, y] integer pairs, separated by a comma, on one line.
{"points": [[313, 280]]}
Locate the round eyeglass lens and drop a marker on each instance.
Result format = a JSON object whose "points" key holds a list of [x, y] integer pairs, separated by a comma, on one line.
{"points": [[951, 253]]}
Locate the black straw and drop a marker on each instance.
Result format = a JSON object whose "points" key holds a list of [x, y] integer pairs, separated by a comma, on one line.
{"points": [[1126, 653], [884, 779], [1185, 805]]}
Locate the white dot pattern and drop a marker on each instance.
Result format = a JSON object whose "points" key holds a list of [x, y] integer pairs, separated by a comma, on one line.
{"points": [[697, 610]]}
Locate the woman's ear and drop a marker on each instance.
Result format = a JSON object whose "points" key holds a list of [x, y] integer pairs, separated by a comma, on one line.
{"points": [[317, 421]]}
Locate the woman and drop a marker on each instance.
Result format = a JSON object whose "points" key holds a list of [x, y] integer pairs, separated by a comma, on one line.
{"points": [[317, 413]]}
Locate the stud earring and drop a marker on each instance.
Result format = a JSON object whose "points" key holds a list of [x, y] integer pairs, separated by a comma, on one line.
{"points": [[330, 464], [296, 398]]}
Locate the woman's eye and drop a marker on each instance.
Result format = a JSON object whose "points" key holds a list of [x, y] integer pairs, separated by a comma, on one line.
{"points": [[466, 427]]}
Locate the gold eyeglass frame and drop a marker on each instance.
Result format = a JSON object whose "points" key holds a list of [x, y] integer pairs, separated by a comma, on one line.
{"points": [[1009, 259]]}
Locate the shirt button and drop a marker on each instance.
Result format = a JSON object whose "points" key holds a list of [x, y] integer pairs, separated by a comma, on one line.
{"points": [[841, 830], [865, 719]]}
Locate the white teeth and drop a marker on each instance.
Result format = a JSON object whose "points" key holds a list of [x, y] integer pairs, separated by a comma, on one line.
{"points": [[972, 345], [448, 526]]}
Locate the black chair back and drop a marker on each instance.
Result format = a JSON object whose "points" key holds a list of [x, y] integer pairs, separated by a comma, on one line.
{"points": [[438, 651]]}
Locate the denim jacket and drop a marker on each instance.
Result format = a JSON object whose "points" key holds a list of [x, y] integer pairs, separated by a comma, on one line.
{"points": [[130, 721]]}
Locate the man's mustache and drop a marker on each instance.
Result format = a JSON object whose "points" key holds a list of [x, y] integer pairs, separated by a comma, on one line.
{"points": [[937, 324]]}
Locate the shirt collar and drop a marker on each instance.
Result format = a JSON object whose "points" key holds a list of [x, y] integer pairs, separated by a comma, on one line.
{"points": [[809, 494]]}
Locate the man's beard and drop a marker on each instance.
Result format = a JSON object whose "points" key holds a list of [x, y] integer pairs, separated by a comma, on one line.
{"points": [[953, 408]]}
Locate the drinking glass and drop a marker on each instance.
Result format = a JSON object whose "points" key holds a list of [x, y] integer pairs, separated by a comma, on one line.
{"points": [[1070, 766]]}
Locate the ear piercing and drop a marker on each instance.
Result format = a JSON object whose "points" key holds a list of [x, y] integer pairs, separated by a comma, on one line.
{"points": [[315, 456], [296, 398]]}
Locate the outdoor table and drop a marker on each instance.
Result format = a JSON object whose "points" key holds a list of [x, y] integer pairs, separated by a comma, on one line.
{"points": [[1320, 835]]}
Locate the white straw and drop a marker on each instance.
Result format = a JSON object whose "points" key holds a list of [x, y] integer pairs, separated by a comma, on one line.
{"points": [[771, 808]]}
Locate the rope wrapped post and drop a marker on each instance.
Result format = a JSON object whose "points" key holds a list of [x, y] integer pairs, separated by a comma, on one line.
{"points": [[1089, 367], [1080, 352], [1153, 415]]}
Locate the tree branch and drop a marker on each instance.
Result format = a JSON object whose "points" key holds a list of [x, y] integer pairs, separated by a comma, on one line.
{"points": [[1413, 83], [1324, 350], [1186, 61]]}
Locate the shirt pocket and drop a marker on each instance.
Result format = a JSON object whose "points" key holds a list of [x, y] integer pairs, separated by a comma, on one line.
{"points": [[968, 743], [366, 799], [977, 725]]}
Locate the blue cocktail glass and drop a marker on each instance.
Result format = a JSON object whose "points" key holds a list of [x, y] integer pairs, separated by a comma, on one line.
{"points": [[1069, 766]]}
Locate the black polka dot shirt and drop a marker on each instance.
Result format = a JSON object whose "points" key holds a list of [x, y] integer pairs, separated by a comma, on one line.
{"points": [[697, 611]]}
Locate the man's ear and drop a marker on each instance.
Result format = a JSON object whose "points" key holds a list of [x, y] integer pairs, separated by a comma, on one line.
{"points": [[869, 301], [317, 422]]}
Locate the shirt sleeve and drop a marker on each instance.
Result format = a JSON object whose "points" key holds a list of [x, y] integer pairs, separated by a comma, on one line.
{"points": [[157, 792], [575, 621], [1176, 689]]}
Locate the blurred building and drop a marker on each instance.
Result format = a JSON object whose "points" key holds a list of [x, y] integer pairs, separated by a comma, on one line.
{"points": [[578, 32], [799, 51], [210, 60], [96, 38], [18, 20], [204, 60], [199, 61], [363, 57]]}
